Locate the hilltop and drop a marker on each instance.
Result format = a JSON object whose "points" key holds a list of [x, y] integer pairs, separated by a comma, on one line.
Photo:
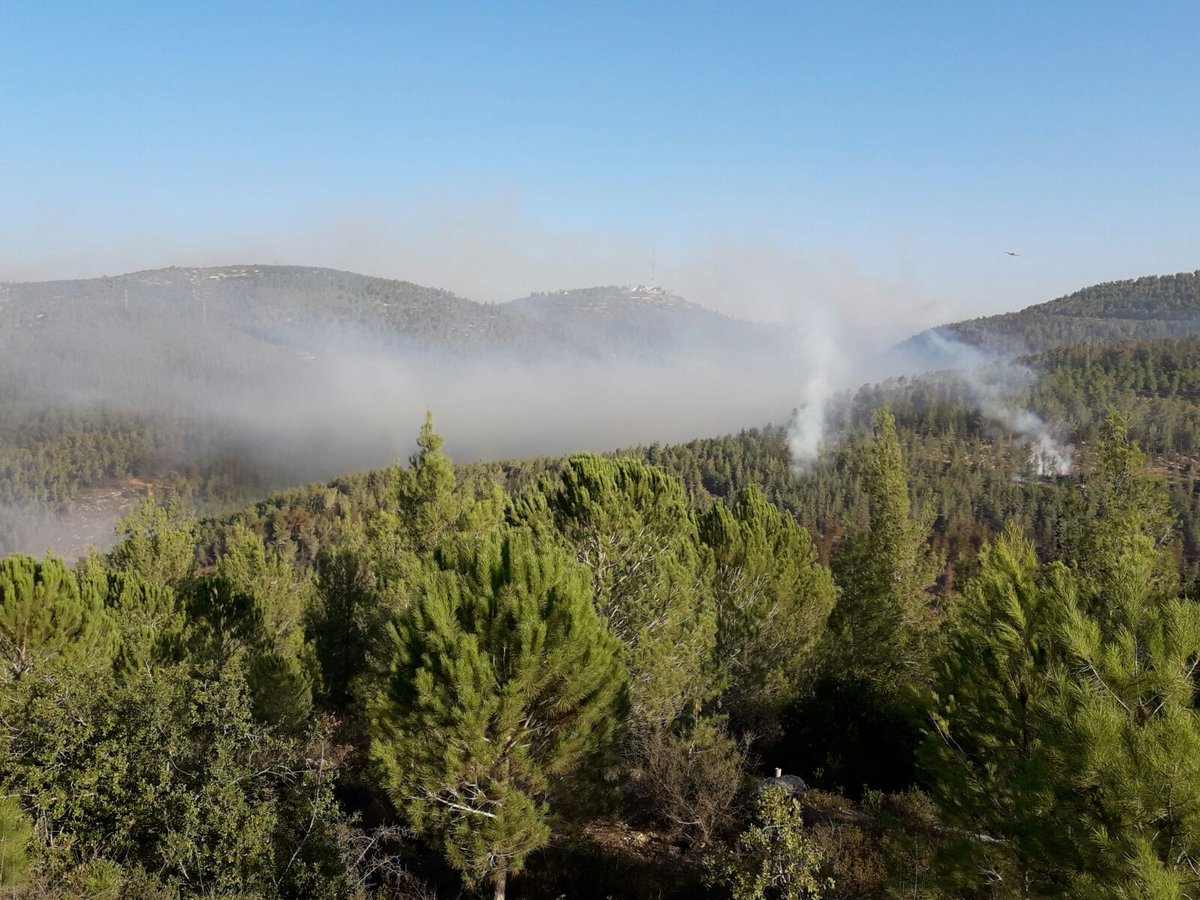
{"points": [[1156, 306], [255, 309]]}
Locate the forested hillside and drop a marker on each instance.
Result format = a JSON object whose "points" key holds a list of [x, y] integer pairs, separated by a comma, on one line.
{"points": [[576, 674], [569, 676], [280, 310], [230, 382], [1157, 306]]}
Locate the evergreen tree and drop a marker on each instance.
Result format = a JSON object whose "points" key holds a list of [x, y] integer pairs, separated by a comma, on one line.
{"points": [[1129, 514], [883, 615], [986, 756], [148, 619], [1123, 712], [157, 542], [250, 611], [631, 526], [1068, 726], [280, 664], [425, 507], [342, 618], [431, 505], [862, 724], [45, 614], [503, 680], [773, 599]]}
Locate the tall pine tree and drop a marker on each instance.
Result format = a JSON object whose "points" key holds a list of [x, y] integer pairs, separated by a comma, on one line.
{"points": [[502, 682]]}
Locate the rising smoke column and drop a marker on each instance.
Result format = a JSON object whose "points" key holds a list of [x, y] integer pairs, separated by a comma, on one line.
{"points": [[991, 383], [817, 356]]}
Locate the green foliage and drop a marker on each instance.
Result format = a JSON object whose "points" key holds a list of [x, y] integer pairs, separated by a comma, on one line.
{"points": [[47, 615], [775, 856], [773, 599], [157, 542], [1068, 739], [501, 683], [343, 617], [630, 525], [148, 619], [168, 772], [431, 505], [883, 615], [278, 599], [1129, 515], [15, 832], [987, 757], [861, 724], [1127, 743]]}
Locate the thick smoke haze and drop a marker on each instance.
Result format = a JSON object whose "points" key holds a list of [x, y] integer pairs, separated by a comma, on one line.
{"points": [[990, 383], [311, 405]]}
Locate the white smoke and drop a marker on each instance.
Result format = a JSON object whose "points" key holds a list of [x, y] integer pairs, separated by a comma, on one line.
{"points": [[992, 383], [822, 362], [826, 365]]}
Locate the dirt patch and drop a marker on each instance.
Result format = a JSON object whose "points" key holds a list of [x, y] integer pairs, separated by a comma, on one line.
{"points": [[88, 522]]}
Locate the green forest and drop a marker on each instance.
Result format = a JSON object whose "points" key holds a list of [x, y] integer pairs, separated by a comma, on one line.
{"points": [[576, 677], [924, 666]]}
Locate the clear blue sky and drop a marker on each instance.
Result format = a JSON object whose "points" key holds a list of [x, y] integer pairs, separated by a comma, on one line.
{"points": [[767, 156]]}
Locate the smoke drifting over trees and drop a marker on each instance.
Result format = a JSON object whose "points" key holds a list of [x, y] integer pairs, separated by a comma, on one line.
{"points": [[270, 376]]}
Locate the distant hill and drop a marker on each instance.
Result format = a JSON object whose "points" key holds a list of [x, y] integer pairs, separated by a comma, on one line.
{"points": [[1156, 306], [158, 338], [221, 381], [638, 321], [274, 310]]}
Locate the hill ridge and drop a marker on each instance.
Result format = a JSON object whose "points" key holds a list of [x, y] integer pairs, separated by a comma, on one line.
{"points": [[1150, 306]]}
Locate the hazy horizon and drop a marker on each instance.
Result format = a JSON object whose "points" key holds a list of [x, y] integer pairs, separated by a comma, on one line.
{"points": [[764, 161]]}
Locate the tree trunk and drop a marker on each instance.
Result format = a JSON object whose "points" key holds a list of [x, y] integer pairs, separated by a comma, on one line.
{"points": [[500, 885]]}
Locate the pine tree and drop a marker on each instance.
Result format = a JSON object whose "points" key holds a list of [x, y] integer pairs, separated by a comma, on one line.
{"points": [[280, 668], [986, 756], [1068, 727], [157, 542], [45, 615], [773, 599], [254, 606], [431, 505], [1129, 512], [149, 621], [427, 502], [632, 527], [883, 614], [1125, 725], [862, 724], [503, 680], [341, 619]]}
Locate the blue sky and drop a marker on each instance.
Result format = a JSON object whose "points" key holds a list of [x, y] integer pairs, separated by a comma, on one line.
{"points": [[769, 158]]}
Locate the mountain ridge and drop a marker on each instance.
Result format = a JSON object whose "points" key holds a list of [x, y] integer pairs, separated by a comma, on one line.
{"points": [[1149, 307], [285, 305]]}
